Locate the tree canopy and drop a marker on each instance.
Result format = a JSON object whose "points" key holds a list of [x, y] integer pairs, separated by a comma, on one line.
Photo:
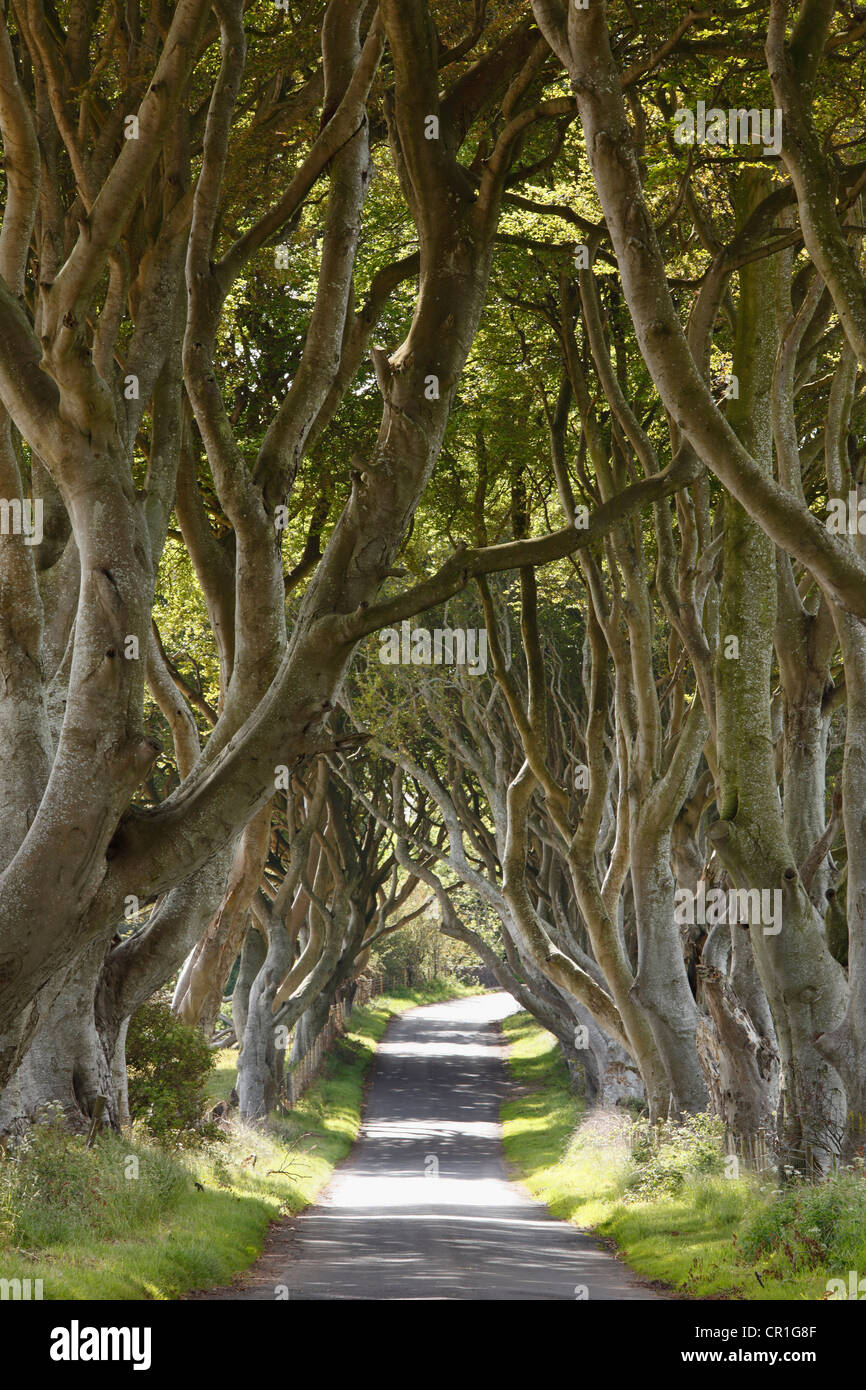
{"points": [[431, 447]]}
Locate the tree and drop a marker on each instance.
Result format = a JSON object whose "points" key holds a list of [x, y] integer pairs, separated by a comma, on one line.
{"points": [[136, 189], [621, 435]]}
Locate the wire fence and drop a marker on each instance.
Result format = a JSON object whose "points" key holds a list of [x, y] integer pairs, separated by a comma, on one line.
{"points": [[305, 1071]]}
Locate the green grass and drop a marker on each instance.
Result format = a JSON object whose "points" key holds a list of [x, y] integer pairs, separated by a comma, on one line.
{"points": [[91, 1229], [715, 1237]]}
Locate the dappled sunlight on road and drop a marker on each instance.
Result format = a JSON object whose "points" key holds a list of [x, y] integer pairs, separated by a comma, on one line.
{"points": [[420, 1129], [423, 1208], [419, 1193]]}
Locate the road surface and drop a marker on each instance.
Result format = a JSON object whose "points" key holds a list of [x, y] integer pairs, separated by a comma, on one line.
{"points": [[422, 1208]]}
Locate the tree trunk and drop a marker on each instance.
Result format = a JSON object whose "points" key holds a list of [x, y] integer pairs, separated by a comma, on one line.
{"points": [[804, 986], [253, 953], [741, 1067], [662, 986], [199, 991], [67, 1063]]}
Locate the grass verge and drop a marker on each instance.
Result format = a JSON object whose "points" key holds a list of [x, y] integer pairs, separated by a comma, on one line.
{"points": [[129, 1220], [672, 1213]]}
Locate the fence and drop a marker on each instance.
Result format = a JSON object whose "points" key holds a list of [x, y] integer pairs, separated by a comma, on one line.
{"points": [[759, 1152], [299, 1077]]}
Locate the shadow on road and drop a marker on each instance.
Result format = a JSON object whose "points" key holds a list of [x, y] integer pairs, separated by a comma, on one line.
{"points": [[422, 1208]]}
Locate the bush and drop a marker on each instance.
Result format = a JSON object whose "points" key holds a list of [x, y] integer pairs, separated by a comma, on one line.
{"points": [[665, 1156], [168, 1063]]}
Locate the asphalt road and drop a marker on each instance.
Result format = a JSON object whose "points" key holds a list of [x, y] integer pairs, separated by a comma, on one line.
{"points": [[422, 1208]]}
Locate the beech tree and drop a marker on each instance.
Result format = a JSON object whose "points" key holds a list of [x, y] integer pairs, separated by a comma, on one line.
{"points": [[617, 427], [122, 244], [121, 251]]}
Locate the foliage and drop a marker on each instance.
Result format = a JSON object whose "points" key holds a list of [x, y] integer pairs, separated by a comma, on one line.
{"points": [[168, 1063], [419, 954], [55, 1191], [665, 1156], [807, 1225], [492, 477]]}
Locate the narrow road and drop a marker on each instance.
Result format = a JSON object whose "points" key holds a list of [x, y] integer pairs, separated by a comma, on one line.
{"points": [[422, 1208]]}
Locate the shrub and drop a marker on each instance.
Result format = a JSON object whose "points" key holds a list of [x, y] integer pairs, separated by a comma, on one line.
{"points": [[665, 1156], [168, 1063]]}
